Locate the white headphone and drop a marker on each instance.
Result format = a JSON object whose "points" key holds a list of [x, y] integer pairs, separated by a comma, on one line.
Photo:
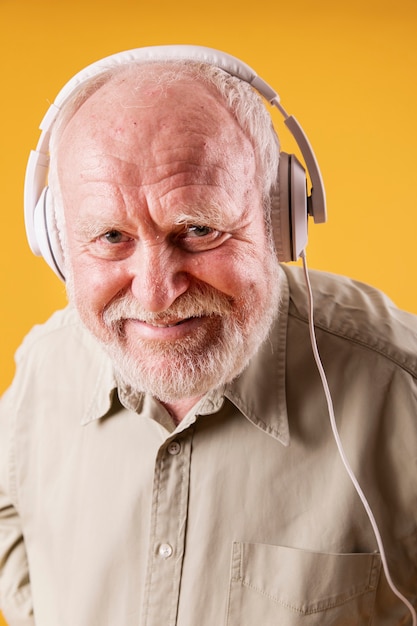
{"points": [[290, 205]]}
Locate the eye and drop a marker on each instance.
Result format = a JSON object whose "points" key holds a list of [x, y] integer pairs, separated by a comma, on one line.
{"points": [[198, 238], [114, 237], [199, 231]]}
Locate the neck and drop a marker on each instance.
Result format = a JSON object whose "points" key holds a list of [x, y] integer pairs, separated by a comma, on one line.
{"points": [[179, 409]]}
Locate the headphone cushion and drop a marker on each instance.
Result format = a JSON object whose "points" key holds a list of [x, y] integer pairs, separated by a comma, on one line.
{"points": [[281, 211], [47, 235], [289, 209]]}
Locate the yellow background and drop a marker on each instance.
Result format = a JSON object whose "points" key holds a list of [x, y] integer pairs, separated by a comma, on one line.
{"points": [[347, 71]]}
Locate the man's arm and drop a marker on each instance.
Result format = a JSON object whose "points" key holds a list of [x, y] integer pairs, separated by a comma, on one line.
{"points": [[15, 593]]}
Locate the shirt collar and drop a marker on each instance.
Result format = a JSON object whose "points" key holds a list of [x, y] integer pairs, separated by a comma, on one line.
{"points": [[101, 398], [258, 393]]}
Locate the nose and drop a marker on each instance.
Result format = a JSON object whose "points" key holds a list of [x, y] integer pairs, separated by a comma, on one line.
{"points": [[159, 276]]}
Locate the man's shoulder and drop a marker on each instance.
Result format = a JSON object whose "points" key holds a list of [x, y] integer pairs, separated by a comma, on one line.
{"points": [[60, 364], [62, 328], [60, 349], [357, 312]]}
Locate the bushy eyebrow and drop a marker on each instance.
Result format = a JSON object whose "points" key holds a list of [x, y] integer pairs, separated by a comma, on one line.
{"points": [[91, 228], [217, 216]]}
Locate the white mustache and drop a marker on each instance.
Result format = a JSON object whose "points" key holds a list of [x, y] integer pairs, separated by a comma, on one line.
{"points": [[203, 302]]}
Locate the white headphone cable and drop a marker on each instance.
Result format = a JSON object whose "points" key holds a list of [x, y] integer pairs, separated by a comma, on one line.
{"points": [[340, 445]]}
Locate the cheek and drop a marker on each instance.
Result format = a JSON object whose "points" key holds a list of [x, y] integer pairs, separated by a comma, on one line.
{"points": [[92, 285], [234, 274]]}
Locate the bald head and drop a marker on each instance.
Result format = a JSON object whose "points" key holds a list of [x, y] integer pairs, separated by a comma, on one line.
{"points": [[149, 82], [156, 137], [142, 110]]}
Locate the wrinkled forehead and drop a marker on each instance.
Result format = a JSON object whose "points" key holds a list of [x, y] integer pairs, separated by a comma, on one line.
{"points": [[138, 105], [166, 95], [132, 131]]}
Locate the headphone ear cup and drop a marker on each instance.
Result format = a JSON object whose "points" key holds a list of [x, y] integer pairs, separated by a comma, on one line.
{"points": [[47, 235], [289, 209], [281, 211], [299, 210]]}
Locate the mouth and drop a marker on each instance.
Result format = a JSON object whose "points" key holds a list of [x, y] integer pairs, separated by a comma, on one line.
{"points": [[168, 330], [170, 324]]}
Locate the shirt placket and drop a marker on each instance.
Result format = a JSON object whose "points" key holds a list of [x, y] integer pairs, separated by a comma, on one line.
{"points": [[168, 528]]}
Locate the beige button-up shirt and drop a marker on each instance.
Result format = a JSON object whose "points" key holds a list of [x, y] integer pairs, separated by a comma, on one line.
{"points": [[242, 515]]}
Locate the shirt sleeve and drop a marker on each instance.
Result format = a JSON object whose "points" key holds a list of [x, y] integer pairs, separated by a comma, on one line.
{"points": [[15, 593]]}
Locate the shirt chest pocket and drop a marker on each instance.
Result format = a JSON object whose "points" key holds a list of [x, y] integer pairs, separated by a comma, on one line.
{"points": [[279, 586]]}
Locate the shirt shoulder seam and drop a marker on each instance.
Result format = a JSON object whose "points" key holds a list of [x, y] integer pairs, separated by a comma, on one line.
{"points": [[360, 342]]}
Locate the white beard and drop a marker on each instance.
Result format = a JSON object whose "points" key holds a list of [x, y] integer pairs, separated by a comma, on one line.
{"points": [[207, 358]]}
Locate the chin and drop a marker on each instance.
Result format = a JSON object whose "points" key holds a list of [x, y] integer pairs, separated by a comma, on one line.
{"points": [[206, 360]]}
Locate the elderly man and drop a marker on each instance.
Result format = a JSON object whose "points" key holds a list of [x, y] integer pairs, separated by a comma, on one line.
{"points": [[166, 453]]}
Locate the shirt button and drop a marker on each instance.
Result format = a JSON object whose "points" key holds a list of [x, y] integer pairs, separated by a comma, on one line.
{"points": [[165, 550], [174, 448]]}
